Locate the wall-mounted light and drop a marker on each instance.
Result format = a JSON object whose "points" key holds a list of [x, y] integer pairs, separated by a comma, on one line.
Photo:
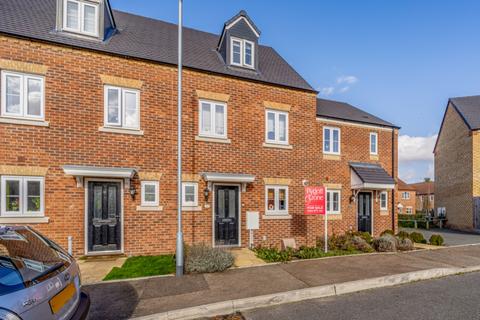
{"points": [[206, 193], [132, 191]]}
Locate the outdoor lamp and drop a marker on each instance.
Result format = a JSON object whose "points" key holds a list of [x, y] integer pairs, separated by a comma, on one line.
{"points": [[206, 192], [132, 191]]}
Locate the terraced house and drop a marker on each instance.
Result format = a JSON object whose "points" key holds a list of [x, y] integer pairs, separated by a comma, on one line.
{"points": [[88, 135]]}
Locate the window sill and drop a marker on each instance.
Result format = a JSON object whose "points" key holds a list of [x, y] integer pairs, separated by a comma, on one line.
{"points": [[334, 216], [272, 216], [374, 157], [330, 156], [23, 220], [150, 208], [384, 212], [212, 139], [26, 122], [277, 146], [197, 208], [121, 131]]}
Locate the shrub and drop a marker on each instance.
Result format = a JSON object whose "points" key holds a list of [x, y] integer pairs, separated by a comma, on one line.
{"points": [[406, 224], [309, 252], [403, 235], [202, 259], [364, 235], [390, 232], [386, 243], [273, 254], [361, 244], [436, 240], [405, 244], [341, 242], [417, 237]]}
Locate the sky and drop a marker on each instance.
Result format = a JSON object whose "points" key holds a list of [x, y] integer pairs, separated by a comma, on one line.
{"points": [[399, 59]]}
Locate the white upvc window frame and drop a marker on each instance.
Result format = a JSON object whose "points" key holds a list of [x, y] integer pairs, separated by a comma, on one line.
{"points": [[24, 77], [213, 119], [189, 203], [383, 207], [406, 195], [277, 114], [329, 204], [23, 197], [276, 211], [331, 151], [407, 209], [243, 50], [81, 17], [122, 107], [373, 151], [156, 185]]}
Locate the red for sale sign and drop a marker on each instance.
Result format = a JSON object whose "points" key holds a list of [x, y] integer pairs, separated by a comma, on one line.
{"points": [[314, 200]]}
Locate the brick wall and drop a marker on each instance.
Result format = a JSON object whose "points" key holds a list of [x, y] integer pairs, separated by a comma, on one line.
{"points": [[412, 202]]}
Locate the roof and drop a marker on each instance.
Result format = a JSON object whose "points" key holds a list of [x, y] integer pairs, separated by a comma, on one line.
{"points": [[344, 111], [146, 38], [423, 188], [404, 186], [371, 173], [469, 110]]}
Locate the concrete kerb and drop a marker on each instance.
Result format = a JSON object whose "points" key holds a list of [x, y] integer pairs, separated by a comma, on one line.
{"points": [[238, 305]]}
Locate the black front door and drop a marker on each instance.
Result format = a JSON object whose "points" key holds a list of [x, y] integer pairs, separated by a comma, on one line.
{"points": [[364, 200], [226, 215], [104, 208]]}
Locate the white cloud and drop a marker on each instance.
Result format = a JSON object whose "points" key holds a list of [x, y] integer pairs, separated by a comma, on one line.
{"points": [[327, 91], [344, 89], [347, 79], [416, 148]]}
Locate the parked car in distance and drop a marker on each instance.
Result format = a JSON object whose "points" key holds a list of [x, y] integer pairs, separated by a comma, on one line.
{"points": [[38, 279]]}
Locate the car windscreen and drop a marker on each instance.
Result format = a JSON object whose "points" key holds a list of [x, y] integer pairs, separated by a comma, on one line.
{"points": [[27, 258]]}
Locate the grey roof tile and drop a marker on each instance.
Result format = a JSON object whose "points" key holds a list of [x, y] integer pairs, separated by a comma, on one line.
{"points": [[145, 38], [371, 173], [469, 110]]}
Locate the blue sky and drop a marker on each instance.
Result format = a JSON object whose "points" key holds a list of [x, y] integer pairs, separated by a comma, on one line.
{"points": [[400, 60]]}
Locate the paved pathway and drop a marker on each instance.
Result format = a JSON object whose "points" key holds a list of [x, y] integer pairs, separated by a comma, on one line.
{"points": [[452, 238], [245, 257], [95, 270], [121, 300]]}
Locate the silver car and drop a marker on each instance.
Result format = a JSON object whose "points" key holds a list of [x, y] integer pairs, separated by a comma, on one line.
{"points": [[38, 279]]}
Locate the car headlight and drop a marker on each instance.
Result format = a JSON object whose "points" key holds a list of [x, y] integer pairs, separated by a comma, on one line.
{"points": [[8, 315]]}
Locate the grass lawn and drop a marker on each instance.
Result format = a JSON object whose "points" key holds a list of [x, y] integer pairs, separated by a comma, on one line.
{"points": [[143, 266]]}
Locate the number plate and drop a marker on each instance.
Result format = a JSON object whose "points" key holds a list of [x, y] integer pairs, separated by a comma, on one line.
{"points": [[62, 298]]}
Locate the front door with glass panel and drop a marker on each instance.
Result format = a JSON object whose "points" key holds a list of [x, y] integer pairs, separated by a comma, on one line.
{"points": [[226, 215], [104, 209], [364, 200]]}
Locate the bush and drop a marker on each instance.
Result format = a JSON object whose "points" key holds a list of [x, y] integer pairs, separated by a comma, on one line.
{"points": [[436, 240], [341, 242], [202, 259], [405, 244], [361, 244], [406, 224], [390, 232], [274, 254], [364, 235], [417, 237], [309, 253], [386, 243], [403, 235]]}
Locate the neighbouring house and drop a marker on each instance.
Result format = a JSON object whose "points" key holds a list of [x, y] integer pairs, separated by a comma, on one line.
{"points": [[425, 195], [457, 164], [406, 195], [88, 129]]}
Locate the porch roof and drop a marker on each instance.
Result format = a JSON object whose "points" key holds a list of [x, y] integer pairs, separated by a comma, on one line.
{"points": [[228, 177], [370, 176], [100, 172]]}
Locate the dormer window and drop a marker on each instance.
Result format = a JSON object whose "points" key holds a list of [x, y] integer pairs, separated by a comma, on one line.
{"points": [[242, 53], [80, 17]]}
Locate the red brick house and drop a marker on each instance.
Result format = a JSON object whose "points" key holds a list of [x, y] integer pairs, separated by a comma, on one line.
{"points": [[88, 135], [406, 195]]}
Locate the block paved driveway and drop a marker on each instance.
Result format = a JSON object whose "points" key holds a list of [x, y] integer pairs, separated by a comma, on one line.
{"points": [[452, 238]]}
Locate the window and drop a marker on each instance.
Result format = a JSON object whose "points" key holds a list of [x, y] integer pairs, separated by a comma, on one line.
{"points": [[331, 140], [190, 194], [22, 196], [122, 108], [276, 200], [408, 210], [333, 201], [81, 17], [277, 127], [373, 143], [383, 201], [22, 95], [406, 195], [431, 198], [213, 119], [242, 53], [150, 193]]}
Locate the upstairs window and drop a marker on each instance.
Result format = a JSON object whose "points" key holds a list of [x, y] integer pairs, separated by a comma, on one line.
{"points": [[242, 53], [406, 195], [277, 127], [373, 143], [122, 108], [213, 119], [22, 95], [81, 17], [331, 140]]}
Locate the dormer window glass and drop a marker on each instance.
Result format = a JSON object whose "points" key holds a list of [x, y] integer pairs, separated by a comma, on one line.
{"points": [[242, 53], [81, 17]]}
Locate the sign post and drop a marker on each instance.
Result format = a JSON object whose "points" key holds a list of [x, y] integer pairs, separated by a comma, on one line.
{"points": [[315, 204]]}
